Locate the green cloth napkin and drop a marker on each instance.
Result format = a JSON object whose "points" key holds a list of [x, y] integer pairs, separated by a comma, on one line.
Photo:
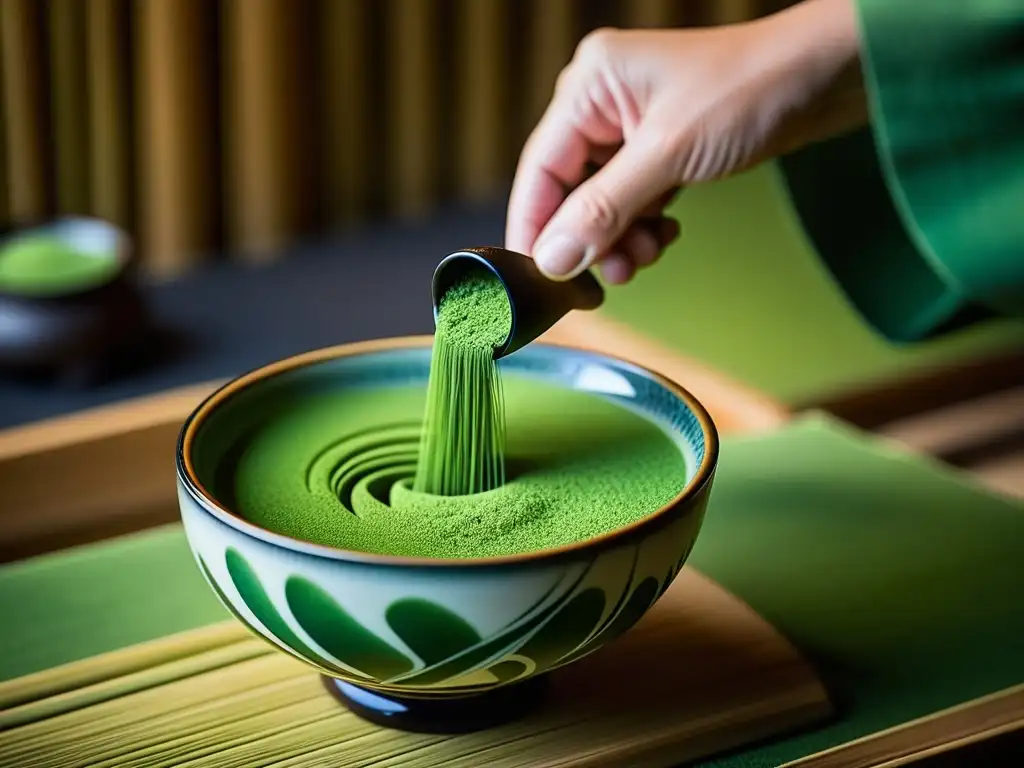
{"points": [[899, 579], [74, 604]]}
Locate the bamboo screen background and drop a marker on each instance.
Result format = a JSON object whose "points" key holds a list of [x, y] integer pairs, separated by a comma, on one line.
{"points": [[237, 126]]}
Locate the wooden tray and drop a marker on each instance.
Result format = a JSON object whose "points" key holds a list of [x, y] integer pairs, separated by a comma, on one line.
{"points": [[699, 674]]}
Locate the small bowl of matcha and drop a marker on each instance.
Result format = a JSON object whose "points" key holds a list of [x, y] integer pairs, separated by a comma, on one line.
{"points": [[65, 292], [435, 530], [66, 257]]}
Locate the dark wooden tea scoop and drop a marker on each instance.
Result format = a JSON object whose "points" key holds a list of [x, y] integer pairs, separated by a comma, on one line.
{"points": [[537, 301]]}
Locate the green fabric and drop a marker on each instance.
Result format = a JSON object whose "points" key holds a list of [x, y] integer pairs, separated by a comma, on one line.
{"points": [[900, 580], [744, 290], [870, 256], [937, 241], [91, 599], [946, 81]]}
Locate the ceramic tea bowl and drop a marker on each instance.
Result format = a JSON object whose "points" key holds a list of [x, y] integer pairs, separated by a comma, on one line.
{"points": [[436, 644]]}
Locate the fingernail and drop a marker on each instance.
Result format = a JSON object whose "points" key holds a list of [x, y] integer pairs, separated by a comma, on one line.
{"points": [[559, 255]]}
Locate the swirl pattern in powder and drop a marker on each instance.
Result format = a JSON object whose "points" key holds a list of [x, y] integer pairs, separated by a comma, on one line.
{"points": [[338, 469]]}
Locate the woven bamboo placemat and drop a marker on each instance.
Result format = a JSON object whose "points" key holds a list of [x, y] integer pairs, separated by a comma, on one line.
{"points": [[701, 673]]}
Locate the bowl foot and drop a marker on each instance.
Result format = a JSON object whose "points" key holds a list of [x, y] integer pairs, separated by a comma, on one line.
{"points": [[448, 715]]}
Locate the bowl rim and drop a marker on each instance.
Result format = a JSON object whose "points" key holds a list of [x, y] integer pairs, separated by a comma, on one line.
{"points": [[189, 479]]}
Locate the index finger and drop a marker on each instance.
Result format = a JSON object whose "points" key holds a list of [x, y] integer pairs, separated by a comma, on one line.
{"points": [[552, 162]]}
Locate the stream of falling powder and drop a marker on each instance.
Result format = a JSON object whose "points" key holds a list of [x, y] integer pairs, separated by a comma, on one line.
{"points": [[462, 450]]}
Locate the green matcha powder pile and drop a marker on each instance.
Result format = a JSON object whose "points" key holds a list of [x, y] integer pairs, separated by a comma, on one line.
{"points": [[437, 472], [41, 265], [463, 446]]}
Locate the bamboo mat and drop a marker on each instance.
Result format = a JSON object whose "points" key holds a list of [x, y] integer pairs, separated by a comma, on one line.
{"points": [[701, 673]]}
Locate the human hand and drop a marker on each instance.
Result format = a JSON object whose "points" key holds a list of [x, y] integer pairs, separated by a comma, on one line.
{"points": [[657, 110]]}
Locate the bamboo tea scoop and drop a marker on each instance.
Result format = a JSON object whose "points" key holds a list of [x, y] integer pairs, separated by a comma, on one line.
{"points": [[537, 301]]}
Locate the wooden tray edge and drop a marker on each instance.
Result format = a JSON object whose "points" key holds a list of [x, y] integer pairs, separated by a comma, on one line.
{"points": [[943, 731]]}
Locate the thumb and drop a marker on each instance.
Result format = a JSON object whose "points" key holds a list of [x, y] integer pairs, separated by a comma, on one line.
{"points": [[599, 211]]}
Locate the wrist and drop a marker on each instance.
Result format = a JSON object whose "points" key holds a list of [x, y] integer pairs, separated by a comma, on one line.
{"points": [[814, 50], [821, 35]]}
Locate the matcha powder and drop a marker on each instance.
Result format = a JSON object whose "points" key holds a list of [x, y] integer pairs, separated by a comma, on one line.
{"points": [[43, 265], [463, 447], [469, 466], [336, 468]]}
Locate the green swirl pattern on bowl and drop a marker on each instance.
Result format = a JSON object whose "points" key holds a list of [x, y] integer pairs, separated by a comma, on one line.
{"points": [[419, 638]]}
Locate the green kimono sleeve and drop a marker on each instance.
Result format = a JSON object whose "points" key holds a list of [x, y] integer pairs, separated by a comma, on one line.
{"points": [[920, 218]]}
